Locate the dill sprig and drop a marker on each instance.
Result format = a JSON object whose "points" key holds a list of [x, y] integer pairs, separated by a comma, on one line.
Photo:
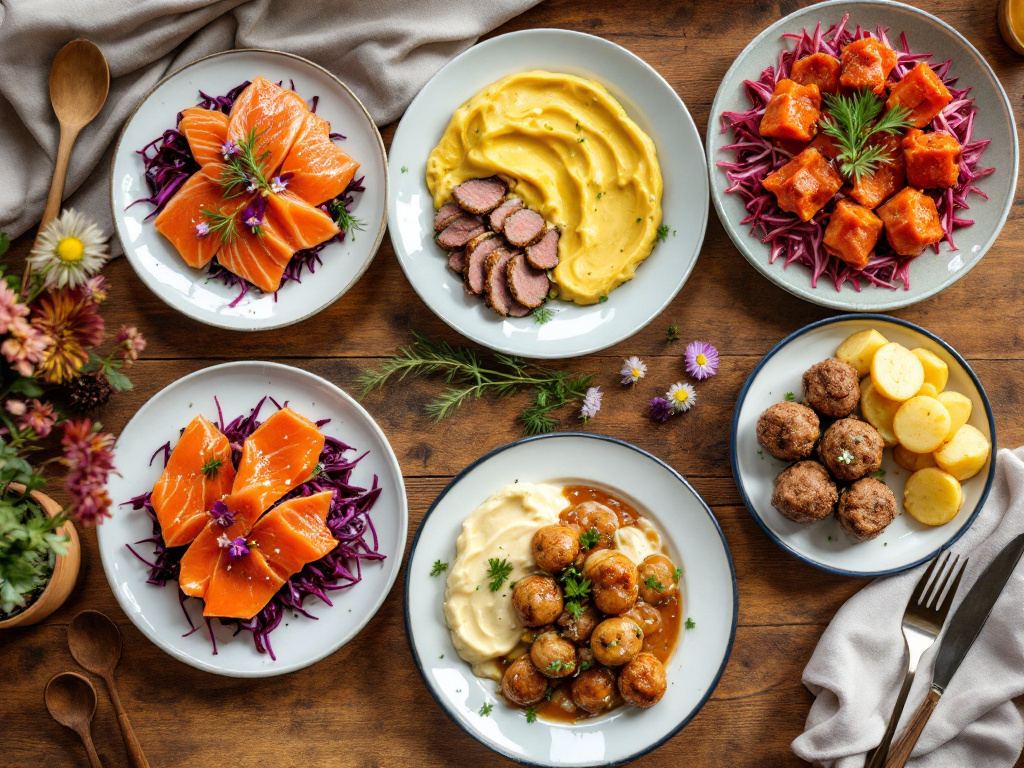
{"points": [[468, 378], [346, 221], [853, 121], [222, 224]]}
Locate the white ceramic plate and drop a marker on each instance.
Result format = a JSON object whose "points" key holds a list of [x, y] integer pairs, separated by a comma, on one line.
{"points": [[694, 541], [649, 101], [906, 542], [297, 642], [158, 263]]}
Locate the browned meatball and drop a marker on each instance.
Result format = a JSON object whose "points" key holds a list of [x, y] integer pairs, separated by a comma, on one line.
{"points": [[616, 641], [657, 579], [537, 601], [594, 690], [553, 655], [642, 681], [832, 388], [788, 431], [851, 449], [804, 492], [523, 684], [647, 616], [613, 581], [589, 515], [578, 629], [866, 508], [555, 547]]}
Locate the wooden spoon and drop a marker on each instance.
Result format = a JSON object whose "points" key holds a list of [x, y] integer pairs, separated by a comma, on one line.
{"points": [[95, 642], [71, 700]]}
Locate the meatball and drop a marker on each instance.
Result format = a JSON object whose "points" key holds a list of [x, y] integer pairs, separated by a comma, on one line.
{"points": [[657, 579], [594, 690], [616, 641], [578, 629], [804, 492], [851, 449], [613, 579], [788, 431], [866, 508], [523, 685], [537, 601], [555, 547], [589, 515], [554, 656], [832, 388], [642, 681], [646, 616]]}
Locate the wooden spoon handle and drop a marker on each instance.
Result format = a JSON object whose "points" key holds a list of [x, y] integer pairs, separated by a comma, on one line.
{"points": [[135, 752], [900, 752], [60, 175], [94, 759]]}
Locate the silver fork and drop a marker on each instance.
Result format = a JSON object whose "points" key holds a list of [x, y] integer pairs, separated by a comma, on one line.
{"points": [[922, 622]]}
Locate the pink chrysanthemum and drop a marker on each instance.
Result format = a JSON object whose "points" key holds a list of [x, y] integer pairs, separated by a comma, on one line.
{"points": [[90, 463], [10, 307], [25, 347], [39, 417], [131, 341]]}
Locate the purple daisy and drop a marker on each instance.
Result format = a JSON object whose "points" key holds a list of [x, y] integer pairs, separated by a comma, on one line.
{"points": [[701, 360], [659, 409]]}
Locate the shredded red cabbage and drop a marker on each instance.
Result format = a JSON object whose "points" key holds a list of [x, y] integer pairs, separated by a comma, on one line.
{"points": [[795, 241], [349, 521]]}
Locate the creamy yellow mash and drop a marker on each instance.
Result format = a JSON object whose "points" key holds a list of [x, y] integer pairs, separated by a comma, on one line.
{"points": [[572, 154], [638, 541]]}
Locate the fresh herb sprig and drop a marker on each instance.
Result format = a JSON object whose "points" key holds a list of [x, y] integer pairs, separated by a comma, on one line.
{"points": [[589, 539], [498, 572], [245, 168], [438, 568], [222, 224], [853, 121], [576, 588], [347, 222]]}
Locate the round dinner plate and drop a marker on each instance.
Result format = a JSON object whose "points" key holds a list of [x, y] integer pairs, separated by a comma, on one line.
{"points": [[905, 543], [298, 641], [648, 100], [930, 272], [189, 290], [693, 539]]}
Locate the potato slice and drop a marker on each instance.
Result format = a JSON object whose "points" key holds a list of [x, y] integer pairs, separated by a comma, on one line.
{"points": [[936, 372], [896, 372], [964, 455], [927, 390], [959, 407], [921, 424], [932, 496], [878, 411], [858, 349], [911, 461]]}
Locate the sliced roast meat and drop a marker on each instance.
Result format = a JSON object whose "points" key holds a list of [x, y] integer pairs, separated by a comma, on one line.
{"points": [[457, 260], [544, 253], [460, 231], [518, 310], [529, 285], [473, 274], [446, 215], [523, 227], [499, 297], [499, 214], [480, 195]]}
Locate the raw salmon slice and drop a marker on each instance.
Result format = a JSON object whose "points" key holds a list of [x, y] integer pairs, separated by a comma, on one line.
{"points": [[320, 169], [294, 533], [206, 132], [184, 212], [276, 116], [241, 586], [260, 259], [200, 560], [184, 494], [298, 223]]}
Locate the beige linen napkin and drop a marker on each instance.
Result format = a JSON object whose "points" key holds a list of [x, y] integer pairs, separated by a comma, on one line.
{"points": [[385, 50], [856, 670]]}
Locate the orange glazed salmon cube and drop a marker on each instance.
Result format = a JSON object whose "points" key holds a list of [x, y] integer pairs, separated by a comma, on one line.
{"points": [[866, 63], [792, 112], [933, 159], [851, 233], [922, 92], [911, 222], [826, 145], [818, 69], [871, 191], [805, 184]]}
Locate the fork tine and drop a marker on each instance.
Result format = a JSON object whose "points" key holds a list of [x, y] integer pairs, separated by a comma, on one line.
{"points": [[948, 600], [925, 577], [937, 589]]}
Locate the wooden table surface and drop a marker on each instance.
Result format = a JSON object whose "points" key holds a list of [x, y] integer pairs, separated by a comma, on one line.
{"points": [[367, 705]]}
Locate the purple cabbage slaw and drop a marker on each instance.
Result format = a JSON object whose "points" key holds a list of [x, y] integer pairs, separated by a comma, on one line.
{"points": [[795, 241], [169, 163], [348, 518]]}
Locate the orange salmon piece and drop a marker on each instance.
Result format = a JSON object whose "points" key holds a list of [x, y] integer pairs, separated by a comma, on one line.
{"points": [[200, 560], [241, 587], [320, 168], [260, 259], [299, 224], [276, 115], [206, 132], [184, 212], [184, 494], [295, 533]]}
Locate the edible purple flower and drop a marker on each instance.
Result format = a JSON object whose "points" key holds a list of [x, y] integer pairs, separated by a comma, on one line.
{"points": [[253, 214], [591, 403], [701, 360], [222, 514], [228, 149], [279, 184], [237, 548], [202, 229], [659, 409]]}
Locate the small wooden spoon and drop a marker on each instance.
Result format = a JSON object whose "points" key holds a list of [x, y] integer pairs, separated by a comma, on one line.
{"points": [[95, 642], [71, 700]]}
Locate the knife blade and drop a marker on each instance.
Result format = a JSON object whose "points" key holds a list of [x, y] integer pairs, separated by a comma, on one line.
{"points": [[970, 617]]}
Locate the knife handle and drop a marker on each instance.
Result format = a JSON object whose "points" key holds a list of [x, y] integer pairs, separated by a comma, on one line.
{"points": [[900, 752]]}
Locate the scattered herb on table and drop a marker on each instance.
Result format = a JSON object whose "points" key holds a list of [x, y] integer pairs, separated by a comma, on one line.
{"points": [[851, 121], [498, 572], [439, 568], [672, 334]]}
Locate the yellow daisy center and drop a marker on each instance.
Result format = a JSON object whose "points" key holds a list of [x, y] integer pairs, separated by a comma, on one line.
{"points": [[681, 395], [70, 249], [636, 373], [702, 360]]}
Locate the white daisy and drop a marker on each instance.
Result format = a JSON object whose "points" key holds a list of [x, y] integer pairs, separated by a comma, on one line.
{"points": [[69, 251], [633, 369], [681, 396]]}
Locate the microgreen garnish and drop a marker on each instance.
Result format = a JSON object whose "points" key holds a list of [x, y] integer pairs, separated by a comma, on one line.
{"points": [[531, 714], [439, 568], [212, 467], [672, 334], [485, 710], [542, 314], [845, 457], [662, 233], [498, 572], [790, 397], [851, 121], [589, 539], [690, 623], [653, 583]]}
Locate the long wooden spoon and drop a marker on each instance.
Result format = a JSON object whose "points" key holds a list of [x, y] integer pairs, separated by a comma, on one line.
{"points": [[95, 642], [71, 700]]}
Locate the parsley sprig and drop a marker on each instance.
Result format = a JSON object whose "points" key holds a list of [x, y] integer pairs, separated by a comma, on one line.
{"points": [[853, 121], [576, 589], [498, 572], [439, 568], [589, 539], [212, 467]]}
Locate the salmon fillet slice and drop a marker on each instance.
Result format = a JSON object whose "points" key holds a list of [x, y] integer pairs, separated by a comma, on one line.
{"points": [[299, 224], [184, 212], [206, 132], [261, 259], [240, 587], [320, 169], [276, 116], [295, 532], [200, 560]]}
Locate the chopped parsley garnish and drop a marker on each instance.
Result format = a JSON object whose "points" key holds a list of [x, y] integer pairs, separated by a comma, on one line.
{"points": [[612, 644], [548, 693], [672, 334], [587, 664], [678, 575], [638, 220], [438, 568], [878, 474], [662, 233], [845, 457], [485, 710], [498, 572], [589, 539], [558, 665], [653, 583], [531, 714], [602, 300], [578, 126], [405, 169], [690, 623], [580, 140], [576, 589], [790, 397], [599, 195], [212, 467]]}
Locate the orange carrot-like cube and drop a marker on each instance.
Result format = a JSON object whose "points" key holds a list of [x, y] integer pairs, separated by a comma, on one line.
{"points": [[826, 145], [851, 233], [933, 159], [866, 63], [911, 221], [792, 112], [872, 190], [805, 184], [922, 92], [818, 69]]}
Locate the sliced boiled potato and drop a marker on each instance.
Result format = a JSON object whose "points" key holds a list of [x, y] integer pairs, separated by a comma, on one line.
{"points": [[936, 372], [878, 411], [932, 496], [911, 461], [927, 390], [896, 372], [921, 424], [858, 349], [959, 407], [964, 455]]}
